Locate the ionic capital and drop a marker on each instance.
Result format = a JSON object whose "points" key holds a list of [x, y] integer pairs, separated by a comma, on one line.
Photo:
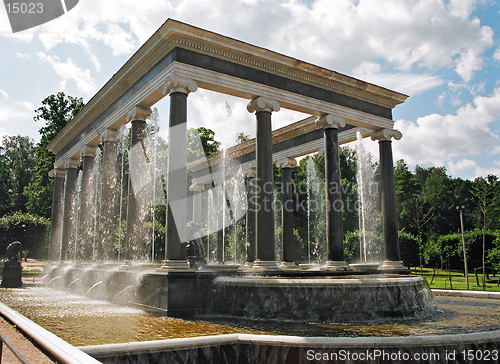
{"points": [[263, 104], [72, 163], [138, 113], [249, 172], [109, 135], [174, 83], [330, 121], [386, 134], [197, 187], [57, 172], [88, 151], [286, 163]]}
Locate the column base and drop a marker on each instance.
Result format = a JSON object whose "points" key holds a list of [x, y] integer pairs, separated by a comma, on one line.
{"points": [[247, 268], [309, 266], [365, 267], [335, 265], [393, 265], [287, 265], [265, 266], [175, 266]]}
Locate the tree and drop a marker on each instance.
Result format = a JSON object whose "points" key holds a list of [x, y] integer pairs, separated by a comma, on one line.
{"points": [[242, 138], [17, 169], [486, 196], [201, 142], [56, 111]]}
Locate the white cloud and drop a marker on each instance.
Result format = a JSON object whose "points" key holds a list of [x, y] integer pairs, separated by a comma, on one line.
{"points": [[474, 169], [95, 62], [338, 34], [16, 118], [228, 116], [407, 83], [23, 55], [5, 94], [437, 139], [496, 56], [69, 71]]}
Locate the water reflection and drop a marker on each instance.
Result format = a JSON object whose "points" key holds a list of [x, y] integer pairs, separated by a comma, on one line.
{"points": [[84, 321]]}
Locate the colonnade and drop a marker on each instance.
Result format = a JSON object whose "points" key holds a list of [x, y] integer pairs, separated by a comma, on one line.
{"points": [[260, 253]]}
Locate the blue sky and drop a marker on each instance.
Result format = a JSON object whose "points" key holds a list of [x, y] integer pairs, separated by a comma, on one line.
{"points": [[444, 54]]}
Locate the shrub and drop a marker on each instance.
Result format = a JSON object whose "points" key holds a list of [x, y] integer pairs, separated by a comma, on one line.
{"points": [[31, 230]]}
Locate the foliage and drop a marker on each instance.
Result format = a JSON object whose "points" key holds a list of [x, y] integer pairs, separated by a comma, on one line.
{"points": [[409, 249], [31, 230], [201, 142], [351, 246], [56, 111], [17, 170], [242, 137]]}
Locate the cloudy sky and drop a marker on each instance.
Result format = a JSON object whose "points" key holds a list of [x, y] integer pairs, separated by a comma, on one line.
{"points": [[444, 54]]}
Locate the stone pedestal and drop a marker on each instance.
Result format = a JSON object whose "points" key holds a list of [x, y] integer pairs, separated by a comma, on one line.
{"points": [[12, 275], [265, 266], [336, 265], [175, 265]]}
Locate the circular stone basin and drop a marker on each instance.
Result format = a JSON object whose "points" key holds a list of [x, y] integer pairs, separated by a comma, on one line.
{"points": [[321, 299]]}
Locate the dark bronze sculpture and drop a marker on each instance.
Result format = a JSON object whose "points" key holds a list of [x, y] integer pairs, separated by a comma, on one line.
{"points": [[12, 269]]}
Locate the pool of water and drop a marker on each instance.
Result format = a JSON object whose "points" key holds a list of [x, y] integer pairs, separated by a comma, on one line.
{"points": [[84, 321]]}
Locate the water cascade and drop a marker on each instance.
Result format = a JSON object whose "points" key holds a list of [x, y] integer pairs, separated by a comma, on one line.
{"points": [[369, 215], [315, 215]]}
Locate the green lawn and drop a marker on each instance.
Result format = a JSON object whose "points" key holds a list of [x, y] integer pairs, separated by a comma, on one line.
{"points": [[442, 280]]}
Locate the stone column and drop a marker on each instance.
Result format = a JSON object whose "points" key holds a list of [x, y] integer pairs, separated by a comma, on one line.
{"points": [[389, 212], [176, 230], [136, 236], [250, 217], [108, 218], [334, 204], [264, 232], [85, 245], [69, 213], [287, 211], [56, 216]]}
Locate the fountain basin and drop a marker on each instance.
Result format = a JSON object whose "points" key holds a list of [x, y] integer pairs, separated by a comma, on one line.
{"points": [[299, 297], [321, 299]]}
